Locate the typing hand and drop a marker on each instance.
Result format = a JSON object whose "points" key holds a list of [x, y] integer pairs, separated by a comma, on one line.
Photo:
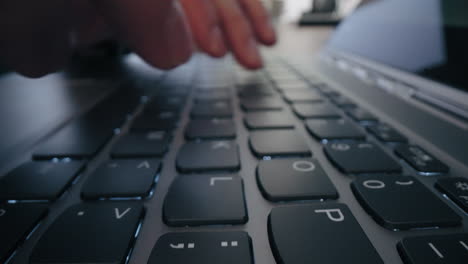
{"points": [[37, 37]]}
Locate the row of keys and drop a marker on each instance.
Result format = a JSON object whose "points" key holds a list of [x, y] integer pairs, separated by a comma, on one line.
{"points": [[89, 227], [127, 177], [280, 180], [335, 229], [46, 181], [324, 122], [377, 194]]}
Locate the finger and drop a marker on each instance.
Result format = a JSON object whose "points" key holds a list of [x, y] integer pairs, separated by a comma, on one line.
{"points": [[35, 36], [204, 24], [155, 30], [89, 26], [260, 21], [238, 33]]}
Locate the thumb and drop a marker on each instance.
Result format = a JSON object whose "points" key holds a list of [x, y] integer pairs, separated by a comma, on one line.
{"points": [[154, 29]]}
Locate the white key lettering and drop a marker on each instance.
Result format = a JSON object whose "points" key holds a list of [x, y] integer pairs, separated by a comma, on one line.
{"points": [[339, 217], [119, 215], [145, 164], [404, 183], [214, 179], [374, 184], [435, 250], [221, 144], [303, 166]]}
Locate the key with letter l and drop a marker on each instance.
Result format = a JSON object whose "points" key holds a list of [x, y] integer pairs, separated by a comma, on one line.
{"points": [[204, 200]]}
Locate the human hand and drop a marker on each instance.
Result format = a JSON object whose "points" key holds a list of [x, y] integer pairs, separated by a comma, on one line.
{"points": [[38, 37]]}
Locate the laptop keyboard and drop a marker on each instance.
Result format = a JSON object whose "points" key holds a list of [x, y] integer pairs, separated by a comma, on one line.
{"points": [[246, 179]]}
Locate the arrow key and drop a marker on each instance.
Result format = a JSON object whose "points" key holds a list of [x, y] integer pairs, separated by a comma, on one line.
{"points": [[122, 178]]}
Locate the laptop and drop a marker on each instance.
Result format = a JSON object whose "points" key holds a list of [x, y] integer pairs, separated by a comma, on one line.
{"points": [[358, 155]]}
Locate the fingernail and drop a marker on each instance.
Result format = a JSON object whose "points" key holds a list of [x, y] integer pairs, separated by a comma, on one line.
{"points": [[217, 45]]}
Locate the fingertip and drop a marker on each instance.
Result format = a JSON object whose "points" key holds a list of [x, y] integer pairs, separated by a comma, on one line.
{"points": [[269, 37], [216, 47], [178, 56]]}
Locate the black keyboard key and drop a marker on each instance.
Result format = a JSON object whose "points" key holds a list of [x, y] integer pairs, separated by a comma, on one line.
{"points": [[330, 129], [90, 233], [268, 120], [325, 233], [420, 160], [150, 144], [122, 179], [296, 86], [302, 96], [203, 247], [261, 103], [316, 110], [210, 129], [294, 179], [251, 78], [205, 97], [456, 189], [361, 115], [342, 102], [255, 90], [85, 136], [164, 103], [278, 143], [16, 221], [205, 200], [165, 121], [386, 133], [439, 249], [220, 109], [328, 91], [39, 180], [286, 78], [82, 138], [351, 157], [208, 156], [397, 202]]}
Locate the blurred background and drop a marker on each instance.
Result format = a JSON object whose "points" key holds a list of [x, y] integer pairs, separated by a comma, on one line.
{"points": [[290, 16], [287, 16]]}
